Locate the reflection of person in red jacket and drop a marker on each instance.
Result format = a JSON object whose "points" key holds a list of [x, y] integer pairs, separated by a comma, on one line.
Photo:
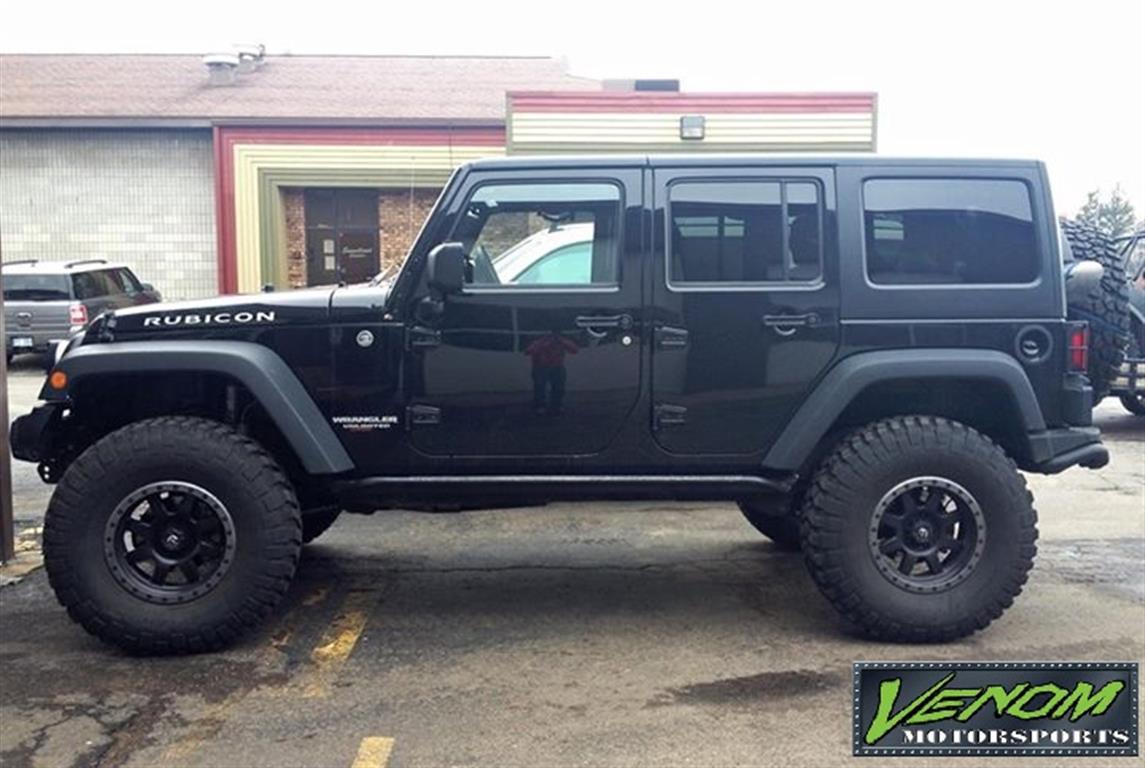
{"points": [[548, 354]]}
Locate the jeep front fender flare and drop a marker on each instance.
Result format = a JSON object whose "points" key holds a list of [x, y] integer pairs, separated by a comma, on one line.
{"points": [[848, 378], [256, 367]]}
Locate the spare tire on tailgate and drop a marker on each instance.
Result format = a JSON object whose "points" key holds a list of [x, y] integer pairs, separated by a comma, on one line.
{"points": [[1105, 306]]}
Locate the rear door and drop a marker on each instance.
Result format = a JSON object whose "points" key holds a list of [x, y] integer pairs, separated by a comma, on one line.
{"points": [[746, 300]]}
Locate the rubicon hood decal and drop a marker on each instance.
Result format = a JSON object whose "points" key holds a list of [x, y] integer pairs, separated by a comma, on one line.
{"points": [[243, 317]]}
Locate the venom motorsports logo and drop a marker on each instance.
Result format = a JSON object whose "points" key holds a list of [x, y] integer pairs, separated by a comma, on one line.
{"points": [[995, 708]]}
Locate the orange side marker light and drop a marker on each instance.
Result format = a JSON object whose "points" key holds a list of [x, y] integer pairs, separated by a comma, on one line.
{"points": [[58, 380]]}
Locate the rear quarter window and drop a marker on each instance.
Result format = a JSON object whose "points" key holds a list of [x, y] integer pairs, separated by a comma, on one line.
{"points": [[949, 232]]}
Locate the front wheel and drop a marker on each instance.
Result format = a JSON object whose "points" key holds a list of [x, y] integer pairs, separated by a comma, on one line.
{"points": [[172, 535], [919, 529]]}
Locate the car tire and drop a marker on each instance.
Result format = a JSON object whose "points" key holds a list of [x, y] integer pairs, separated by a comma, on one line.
{"points": [[883, 476], [1105, 307], [316, 522], [190, 496], [1135, 404], [775, 518]]}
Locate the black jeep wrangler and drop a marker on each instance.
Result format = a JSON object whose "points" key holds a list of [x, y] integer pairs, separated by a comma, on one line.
{"points": [[861, 353]]}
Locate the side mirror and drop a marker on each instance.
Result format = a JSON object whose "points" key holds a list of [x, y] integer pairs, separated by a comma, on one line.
{"points": [[446, 268]]}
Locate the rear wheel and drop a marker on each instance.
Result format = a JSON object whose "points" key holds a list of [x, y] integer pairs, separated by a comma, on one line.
{"points": [[172, 535], [1134, 404], [775, 518], [919, 529]]}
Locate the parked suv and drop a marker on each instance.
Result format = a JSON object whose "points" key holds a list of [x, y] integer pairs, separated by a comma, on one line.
{"points": [[46, 301], [861, 353]]}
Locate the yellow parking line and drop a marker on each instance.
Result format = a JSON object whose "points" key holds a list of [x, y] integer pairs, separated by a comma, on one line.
{"points": [[336, 645], [213, 716], [374, 752]]}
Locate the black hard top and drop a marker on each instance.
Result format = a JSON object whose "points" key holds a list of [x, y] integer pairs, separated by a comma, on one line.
{"points": [[707, 160]]}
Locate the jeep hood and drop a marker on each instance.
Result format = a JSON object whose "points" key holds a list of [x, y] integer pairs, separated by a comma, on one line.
{"points": [[256, 309]]}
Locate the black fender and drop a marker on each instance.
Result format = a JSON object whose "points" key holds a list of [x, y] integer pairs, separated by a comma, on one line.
{"points": [[849, 377], [256, 367]]}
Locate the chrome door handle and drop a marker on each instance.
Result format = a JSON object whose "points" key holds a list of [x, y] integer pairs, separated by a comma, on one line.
{"points": [[594, 324], [624, 322], [786, 325]]}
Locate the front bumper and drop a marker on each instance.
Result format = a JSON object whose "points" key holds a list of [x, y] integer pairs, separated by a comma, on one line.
{"points": [[1055, 450], [32, 435]]}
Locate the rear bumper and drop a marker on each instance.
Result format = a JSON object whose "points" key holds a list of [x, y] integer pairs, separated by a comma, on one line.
{"points": [[1055, 450], [1130, 379], [42, 341]]}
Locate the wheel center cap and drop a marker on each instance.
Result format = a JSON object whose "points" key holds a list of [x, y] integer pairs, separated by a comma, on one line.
{"points": [[922, 532], [174, 538]]}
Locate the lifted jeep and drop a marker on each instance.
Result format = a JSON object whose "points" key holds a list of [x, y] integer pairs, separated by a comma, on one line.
{"points": [[860, 352]]}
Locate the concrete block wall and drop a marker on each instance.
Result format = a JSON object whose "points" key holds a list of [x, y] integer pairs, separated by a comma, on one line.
{"points": [[144, 198]]}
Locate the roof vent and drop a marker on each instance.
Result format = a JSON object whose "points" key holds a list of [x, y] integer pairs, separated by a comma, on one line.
{"points": [[223, 67], [251, 56]]}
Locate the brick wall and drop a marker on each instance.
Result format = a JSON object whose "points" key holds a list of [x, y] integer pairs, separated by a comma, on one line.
{"points": [[144, 198], [294, 207], [400, 216]]}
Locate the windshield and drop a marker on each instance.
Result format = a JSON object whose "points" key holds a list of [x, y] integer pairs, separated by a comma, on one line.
{"points": [[35, 288]]}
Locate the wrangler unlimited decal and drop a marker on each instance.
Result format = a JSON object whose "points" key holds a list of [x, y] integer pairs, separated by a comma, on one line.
{"points": [[217, 318]]}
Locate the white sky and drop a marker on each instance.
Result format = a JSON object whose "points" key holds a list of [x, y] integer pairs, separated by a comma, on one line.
{"points": [[1060, 81]]}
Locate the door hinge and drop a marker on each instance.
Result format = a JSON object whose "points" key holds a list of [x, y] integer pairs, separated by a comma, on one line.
{"points": [[668, 337], [419, 337], [665, 415], [422, 415]]}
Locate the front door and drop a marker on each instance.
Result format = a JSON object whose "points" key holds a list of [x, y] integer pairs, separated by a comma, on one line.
{"points": [[747, 304], [540, 354], [341, 235]]}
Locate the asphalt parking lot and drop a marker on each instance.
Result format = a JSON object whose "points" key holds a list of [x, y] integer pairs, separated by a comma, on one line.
{"points": [[571, 635]]}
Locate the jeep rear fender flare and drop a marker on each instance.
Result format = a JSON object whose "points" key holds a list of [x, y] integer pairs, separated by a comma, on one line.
{"points": [[852, 375], [259, 369]]}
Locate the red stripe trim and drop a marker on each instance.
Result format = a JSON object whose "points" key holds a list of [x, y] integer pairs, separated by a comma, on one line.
{"points": [[579, 101]]}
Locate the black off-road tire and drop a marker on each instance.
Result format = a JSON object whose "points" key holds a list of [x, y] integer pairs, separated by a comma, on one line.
{"points": [[1106, 308], [776, 519], [237, 471], [838, 514], [316, 522]]}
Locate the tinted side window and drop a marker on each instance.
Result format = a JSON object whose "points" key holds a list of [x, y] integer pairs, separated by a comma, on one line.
{"points": [[949, 231], [744, 232], [88, 285], [542, 234]]}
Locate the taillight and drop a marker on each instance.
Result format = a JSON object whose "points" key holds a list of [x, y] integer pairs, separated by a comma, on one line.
{"points": [[1078, 347], [77, 314]]}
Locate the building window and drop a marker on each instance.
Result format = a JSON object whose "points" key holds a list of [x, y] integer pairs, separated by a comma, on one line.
{"points": [[749, 232], [949, 231], [341, 235]]}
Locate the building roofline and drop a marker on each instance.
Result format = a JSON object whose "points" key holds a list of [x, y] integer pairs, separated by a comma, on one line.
{"points": [[179, 123]]}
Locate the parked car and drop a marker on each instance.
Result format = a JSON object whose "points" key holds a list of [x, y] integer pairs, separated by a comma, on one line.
{"points": [[47, 301], [861, 352]]}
